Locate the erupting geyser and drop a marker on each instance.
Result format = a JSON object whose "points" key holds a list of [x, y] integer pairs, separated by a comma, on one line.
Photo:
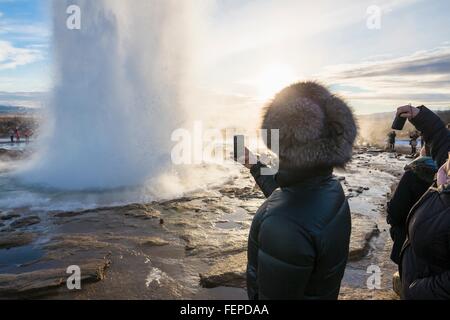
{"points": [[118, 93]]}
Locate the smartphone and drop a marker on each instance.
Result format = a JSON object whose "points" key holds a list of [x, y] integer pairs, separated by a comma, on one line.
{"points": [[239, 147], [399, 122]]}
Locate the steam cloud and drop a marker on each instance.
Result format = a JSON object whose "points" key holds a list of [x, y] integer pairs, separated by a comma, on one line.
{"points": [[120, 87]]}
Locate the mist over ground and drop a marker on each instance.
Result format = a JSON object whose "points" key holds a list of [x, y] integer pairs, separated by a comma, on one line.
{"points": [[374, 128]]}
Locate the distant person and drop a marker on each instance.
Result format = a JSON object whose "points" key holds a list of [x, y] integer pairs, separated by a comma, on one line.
{"points": [[425, 256], [299, 240], [421, 141], [17, 134], [413, 143], [27, 134], [11, 135], [391, 141]]}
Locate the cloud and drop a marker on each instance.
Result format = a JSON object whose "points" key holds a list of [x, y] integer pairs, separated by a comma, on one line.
{"points": [[261, 24], [435, 62], [11, 57], [245, 38], [22, 41], [19, 27], [21, 31], [422, 77]]}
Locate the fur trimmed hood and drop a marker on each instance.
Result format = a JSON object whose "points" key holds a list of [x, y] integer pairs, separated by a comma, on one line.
{"points": [[317, 128]]}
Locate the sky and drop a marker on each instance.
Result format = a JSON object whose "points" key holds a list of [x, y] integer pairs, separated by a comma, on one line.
{"points": [[253, 48], [24, 51]]}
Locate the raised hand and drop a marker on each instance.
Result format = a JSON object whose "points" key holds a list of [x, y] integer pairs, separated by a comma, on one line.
{"points": [[408, 111]]}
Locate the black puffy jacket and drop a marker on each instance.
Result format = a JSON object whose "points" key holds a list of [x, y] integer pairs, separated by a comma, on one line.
{"points": [[425, 258], [299, 240], [417, 179]]}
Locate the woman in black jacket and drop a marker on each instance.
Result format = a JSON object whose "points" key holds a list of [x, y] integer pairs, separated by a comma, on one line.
{"points": [[425, 257], [299, 240], [418, 178]]}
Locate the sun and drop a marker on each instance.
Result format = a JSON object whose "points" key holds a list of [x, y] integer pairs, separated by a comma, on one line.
{"points": [[273, 79]]}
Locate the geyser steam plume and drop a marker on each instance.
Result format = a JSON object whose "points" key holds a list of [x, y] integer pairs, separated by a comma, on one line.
{"points": [[118, 93]]}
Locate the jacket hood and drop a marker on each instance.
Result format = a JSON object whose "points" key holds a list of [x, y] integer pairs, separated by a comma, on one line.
{"points": [[317, 128]]}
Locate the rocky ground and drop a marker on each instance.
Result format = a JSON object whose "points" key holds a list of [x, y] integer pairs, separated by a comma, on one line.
{"points": [[189, 248], [9, 155]]}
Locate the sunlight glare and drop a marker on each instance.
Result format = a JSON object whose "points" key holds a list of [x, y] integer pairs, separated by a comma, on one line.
{"points": [[273, 79]]}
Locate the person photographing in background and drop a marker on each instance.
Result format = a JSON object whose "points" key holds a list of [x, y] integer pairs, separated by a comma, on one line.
{"points": [[391, 141], [299, 239], [425, 256]]}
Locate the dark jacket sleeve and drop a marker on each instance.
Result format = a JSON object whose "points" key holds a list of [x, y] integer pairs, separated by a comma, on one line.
{"points": [[408, 192], [267, 184], [431, 288], [402, 201], [252, 255], [434, 133]]}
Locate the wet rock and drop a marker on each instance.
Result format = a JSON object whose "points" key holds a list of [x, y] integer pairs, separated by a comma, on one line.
{"points": [[67, 214], [229, 272], [81, 242], [153, 242], [176, 201], [9, 216], [141, 241], [25, 222], [363, 231], [32, 284], [13, 240], [356, 190], [245, 193], [63, 247], [142, 213], [11, 154], [375, 150], [351, 293], [226, 209], [162, 286]]}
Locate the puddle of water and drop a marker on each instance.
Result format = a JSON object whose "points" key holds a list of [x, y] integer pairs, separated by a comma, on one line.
{"points": [[12, 258]]}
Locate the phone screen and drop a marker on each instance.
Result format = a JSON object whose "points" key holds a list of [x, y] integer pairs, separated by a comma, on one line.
{"points": [[239, 147]]}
